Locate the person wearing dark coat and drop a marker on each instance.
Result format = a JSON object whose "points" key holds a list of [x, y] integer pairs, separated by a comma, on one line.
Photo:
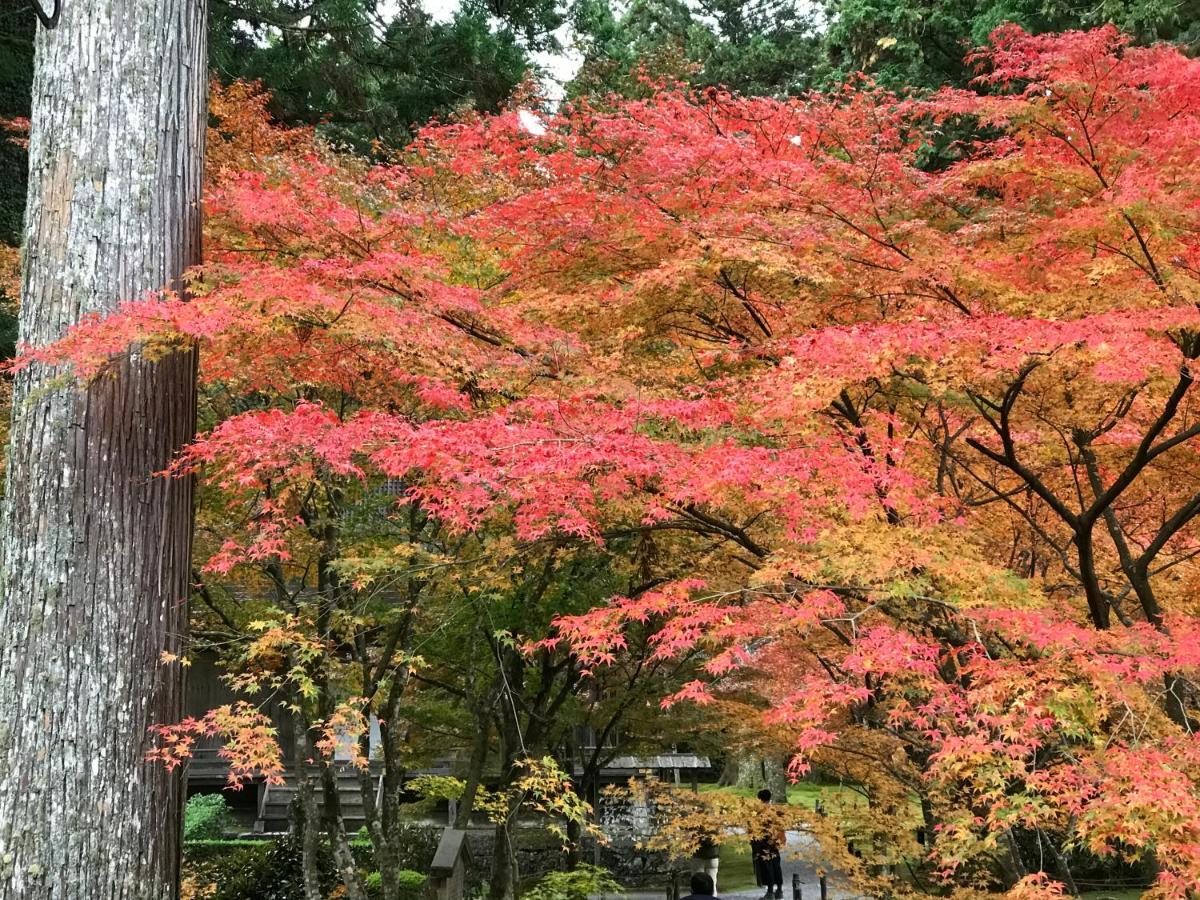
{"points": [[702, 887], [768, 864]]}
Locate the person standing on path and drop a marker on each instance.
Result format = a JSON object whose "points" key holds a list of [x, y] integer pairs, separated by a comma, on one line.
{"points": [[765, 851]]}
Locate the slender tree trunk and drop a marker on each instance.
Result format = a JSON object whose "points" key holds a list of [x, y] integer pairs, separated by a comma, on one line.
{"points": [[504, 863], [1011, 865], [505, 873], [1060, 861], [310, 814], [339, 841], [96, 549], [479, 750], [581, 785], [381, 841]]}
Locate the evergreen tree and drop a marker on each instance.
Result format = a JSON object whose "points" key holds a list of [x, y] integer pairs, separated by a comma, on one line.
{"points": [[921, 43], [364, 74], [16, 75], [757, 47], [782, 47]]}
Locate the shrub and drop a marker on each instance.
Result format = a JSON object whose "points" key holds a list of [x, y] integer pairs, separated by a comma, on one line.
{"points": [[277, 874], [411, 881], [206, 818], [415, 844], [411, 884], [251, 870], [437, 787], [578, 884], [202, 852], [207, 865], [274, 869]]}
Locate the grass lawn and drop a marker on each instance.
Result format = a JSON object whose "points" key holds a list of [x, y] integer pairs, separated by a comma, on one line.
{"points": [[804, 793], [737, 870]]}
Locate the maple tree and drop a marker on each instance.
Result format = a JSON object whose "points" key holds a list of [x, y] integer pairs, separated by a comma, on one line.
{"points": [[902, 452], [361, 600]]}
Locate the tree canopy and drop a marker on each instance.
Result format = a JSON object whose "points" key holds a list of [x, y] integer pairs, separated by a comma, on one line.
{"points": [[901, 459]]}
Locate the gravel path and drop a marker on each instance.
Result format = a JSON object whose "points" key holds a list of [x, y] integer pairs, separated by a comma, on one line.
{"points": [[794, 863]]}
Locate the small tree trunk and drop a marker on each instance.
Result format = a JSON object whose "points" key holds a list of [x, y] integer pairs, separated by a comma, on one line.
{"points": [[504, 851], [504, 863], [335, 825], [479, 749], [310, 815], [381, 842], [95, 548], [1064, 868], [729, 771], [391, 735]]}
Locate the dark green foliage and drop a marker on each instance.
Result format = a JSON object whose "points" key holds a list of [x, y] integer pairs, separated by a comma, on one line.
{"points": [[757, 47], [777, 47], [252, 870], [206, 818], [361, 78], [416, 846], [764, 47], [921, 43], [16, 76], [225, 863], [277, 874], [532, 21], [273, 869], [201, 852]]}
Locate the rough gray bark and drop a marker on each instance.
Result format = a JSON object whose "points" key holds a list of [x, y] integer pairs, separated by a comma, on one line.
{"points": [[95, 550], [753, 772]]}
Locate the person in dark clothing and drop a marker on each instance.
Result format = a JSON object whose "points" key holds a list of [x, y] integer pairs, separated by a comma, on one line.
{"points": [[702, 887], [768, 865]]}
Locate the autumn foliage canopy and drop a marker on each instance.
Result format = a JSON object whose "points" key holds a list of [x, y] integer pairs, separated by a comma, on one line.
{"points": [[895, 395]]}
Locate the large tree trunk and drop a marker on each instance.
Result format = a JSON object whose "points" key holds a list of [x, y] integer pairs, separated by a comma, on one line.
{"points": [[95, 547]]}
